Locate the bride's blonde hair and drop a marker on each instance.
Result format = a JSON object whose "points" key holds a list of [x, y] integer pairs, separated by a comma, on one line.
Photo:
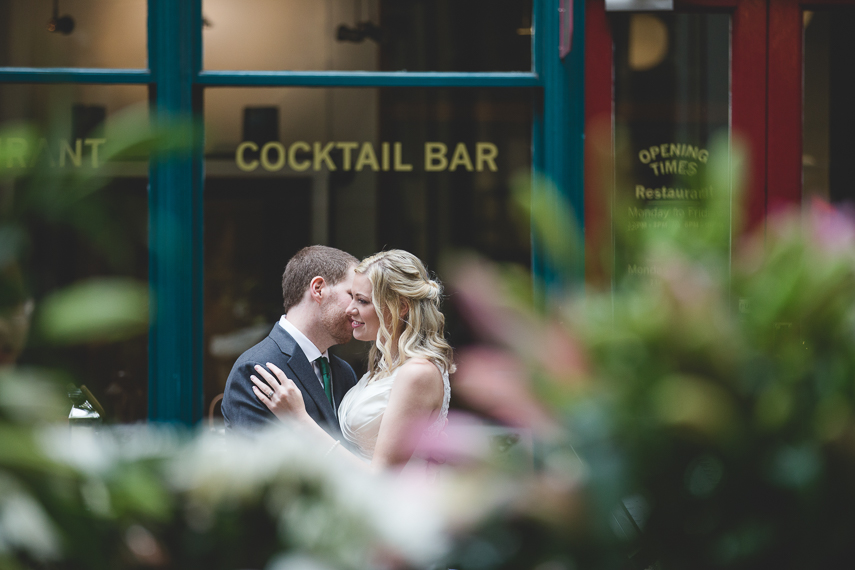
{"points": [[407, 303]]}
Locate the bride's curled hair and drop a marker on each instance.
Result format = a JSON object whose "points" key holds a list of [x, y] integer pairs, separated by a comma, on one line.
{"points": [[407, 303]]}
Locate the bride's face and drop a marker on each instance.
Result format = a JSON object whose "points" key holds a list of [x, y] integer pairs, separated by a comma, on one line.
{"points": [[366, 323]]}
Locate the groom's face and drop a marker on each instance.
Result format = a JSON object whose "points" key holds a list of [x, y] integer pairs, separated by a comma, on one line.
{"points": [[334, 315]]}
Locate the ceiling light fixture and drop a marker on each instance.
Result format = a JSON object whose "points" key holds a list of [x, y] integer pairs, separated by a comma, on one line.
{"points": [[365, 29], [62, 24]]}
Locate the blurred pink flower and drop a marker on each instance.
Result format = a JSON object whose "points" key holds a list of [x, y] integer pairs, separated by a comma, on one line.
{"points": [[492, 313], [460, 442], [497, 384], [831, 228]]}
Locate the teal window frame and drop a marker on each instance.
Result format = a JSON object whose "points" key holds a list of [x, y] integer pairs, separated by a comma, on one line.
{"points": [[176, 81]]}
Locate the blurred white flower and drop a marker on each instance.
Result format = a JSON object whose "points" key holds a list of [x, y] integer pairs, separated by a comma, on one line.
{"points": [[24, 525], [325, 505], [96, 452], [297, 561]]}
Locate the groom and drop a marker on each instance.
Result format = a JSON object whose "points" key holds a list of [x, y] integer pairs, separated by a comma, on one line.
{"points": [[316, 290]]}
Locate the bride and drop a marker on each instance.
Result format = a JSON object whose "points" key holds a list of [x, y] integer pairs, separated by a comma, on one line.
{"points": [[406, 390]]}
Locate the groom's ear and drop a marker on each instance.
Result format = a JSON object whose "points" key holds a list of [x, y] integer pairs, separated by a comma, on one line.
{"points": [[316, 288]]}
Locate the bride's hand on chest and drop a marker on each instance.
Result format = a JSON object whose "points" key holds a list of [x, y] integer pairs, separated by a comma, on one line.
{"points": [[279, 393]]}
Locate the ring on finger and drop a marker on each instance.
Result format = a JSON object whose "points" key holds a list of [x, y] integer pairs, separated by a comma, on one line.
{"points": [[270, 394]]}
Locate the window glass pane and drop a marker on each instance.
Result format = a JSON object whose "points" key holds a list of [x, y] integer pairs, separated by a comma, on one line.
{"points": [[359, 169], [368, 35], [672, 107], [829, 118], [73, 238], [82, 33]]}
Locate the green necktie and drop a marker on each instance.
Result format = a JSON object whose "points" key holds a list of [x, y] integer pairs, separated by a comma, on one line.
{"points": [[324, 365]]}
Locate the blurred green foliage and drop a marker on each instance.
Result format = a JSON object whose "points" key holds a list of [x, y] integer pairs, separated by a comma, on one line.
{"points": [[140, 497], [73, 266], [97, 310], [701, 417], [709, 407], [136, 496]]}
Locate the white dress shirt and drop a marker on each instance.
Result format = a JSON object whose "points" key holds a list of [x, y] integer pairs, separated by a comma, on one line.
{"points": [[308, 347]]}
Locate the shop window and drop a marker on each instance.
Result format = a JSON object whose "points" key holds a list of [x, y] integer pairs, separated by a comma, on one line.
{"points": [[74, 213], [427, 170], [672, 123], [73, 33], [368, 35], [829, 118]]}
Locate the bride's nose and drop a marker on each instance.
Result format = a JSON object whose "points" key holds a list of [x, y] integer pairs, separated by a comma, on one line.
{"points": [[351, 309]]}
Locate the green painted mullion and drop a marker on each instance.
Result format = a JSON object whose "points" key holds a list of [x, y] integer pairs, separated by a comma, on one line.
{"points": [[538, 267], [198, 164], [74, 75], [563, 143], [174, 222], [541, 274], [366, 79], [574, 150], [538, 29]]}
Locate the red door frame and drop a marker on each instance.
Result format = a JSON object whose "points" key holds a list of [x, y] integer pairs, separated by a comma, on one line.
{"points": [[748, 112], [784, 112]]}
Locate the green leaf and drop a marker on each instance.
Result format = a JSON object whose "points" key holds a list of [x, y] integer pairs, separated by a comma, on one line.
{"points": [[99, 310]]}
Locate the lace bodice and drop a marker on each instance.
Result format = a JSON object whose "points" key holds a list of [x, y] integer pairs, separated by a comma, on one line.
{"points": [[362, 408]]}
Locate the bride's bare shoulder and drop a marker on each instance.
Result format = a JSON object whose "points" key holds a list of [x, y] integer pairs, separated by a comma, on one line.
{"points": [[420, 371]]}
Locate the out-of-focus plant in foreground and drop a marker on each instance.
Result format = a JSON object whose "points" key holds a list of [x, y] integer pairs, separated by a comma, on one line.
{"points": [[700, 418], [146, 496], [703, 417], [139, 496]]}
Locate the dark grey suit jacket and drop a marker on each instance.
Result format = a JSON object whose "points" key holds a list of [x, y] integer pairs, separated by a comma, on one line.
{"points": [[243, 411]]}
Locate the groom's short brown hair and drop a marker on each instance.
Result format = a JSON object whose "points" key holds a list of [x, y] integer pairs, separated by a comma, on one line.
{"points": [[310, 262]]}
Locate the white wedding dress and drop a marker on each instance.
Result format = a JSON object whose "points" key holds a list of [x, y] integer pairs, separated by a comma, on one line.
{"points": [[362, 408]]}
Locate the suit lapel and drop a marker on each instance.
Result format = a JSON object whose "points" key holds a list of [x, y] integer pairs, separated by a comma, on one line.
{"points": [[339, 378], [302, 373]]}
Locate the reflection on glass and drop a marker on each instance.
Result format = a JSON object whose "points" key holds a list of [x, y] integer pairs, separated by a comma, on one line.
{"points": [[672, 90], [829, 118], [368, 35], [71, 224], [359, 169], [81, 33]]}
